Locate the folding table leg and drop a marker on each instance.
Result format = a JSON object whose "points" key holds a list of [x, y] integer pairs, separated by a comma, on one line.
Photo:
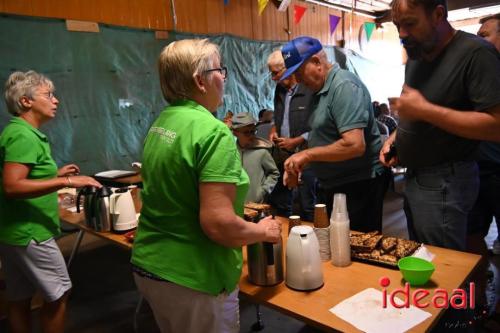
{"points": [[136, 314], [76, 246]]}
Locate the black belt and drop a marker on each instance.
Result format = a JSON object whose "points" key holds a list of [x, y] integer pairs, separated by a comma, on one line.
{"points": [[143, 273]]}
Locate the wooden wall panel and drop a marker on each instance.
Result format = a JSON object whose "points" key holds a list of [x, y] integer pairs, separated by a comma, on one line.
{"points": [[216, 16], [191, 16], [239, 17], [16, 6], [271, 25]]}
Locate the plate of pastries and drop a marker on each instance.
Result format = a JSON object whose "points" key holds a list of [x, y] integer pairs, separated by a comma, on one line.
{"points": [[373, 247]]}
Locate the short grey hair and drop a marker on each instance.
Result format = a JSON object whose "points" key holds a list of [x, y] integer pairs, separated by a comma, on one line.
{"points": [[276, 59], [180, 61], [495, 17], [21, 84]]}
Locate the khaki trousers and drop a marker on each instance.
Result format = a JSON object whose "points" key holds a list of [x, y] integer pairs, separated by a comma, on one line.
{"points": [[178, 309]]}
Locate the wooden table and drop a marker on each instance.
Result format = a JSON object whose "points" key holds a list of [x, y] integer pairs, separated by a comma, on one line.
{"points": [[452, 270]]}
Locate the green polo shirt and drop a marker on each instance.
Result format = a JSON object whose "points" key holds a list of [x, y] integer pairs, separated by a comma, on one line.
{"points": [[22, 220], [186, 146], [341, 105]]}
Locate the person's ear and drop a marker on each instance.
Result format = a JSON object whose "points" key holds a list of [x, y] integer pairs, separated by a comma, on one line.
{"points": [[315, 60], [438, 14], [26, 102], [199, 81]]}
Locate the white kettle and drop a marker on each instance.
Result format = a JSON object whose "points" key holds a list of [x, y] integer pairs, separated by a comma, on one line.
{"points": [[122, 210], [303, 264]]}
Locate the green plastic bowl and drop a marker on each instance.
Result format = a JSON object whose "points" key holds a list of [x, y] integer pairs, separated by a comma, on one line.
{"points": [[416, 271]]}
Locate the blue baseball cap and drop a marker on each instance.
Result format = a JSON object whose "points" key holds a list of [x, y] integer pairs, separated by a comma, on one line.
{"points": [[298, 50]]}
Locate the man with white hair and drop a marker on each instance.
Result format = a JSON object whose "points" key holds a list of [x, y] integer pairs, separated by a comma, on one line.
{"points": [[290, 134], [344, 139]]}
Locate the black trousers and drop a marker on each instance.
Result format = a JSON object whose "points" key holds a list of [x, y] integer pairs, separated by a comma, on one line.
{"points": [[365, 200]]}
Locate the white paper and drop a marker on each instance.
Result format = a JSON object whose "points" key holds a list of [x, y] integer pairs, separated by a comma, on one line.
{"points": [[364, 311], [115, 173], [424, 253]]}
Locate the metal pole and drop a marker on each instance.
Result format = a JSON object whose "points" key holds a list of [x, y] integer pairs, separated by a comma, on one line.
{"points": [[174, 15]]}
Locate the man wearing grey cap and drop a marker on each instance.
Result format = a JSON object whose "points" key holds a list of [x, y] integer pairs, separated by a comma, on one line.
{"points": [[344, 140]]}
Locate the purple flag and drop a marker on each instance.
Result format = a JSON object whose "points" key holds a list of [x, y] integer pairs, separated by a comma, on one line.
{"points": [[334, 20]]}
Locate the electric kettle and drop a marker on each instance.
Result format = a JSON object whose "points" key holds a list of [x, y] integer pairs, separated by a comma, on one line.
{"points": [[122, 210], [303, 263]]}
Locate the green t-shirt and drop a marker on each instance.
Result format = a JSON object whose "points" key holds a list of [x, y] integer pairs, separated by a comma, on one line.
{"points": [[22, 220], [341, 105], [185, 146]]}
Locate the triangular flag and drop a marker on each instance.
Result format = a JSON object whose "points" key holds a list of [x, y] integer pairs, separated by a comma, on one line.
{"points": [[284, 5], [226, 2], [262, 5], [334, 20], [298, 12], [369, 26]]}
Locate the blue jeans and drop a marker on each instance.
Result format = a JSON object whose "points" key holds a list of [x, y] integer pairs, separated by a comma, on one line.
{"points": [[437, 202], [487, 204], [365, 200]]}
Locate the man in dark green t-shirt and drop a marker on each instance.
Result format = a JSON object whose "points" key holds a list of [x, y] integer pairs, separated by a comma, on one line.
{"points": [[449, 101]]}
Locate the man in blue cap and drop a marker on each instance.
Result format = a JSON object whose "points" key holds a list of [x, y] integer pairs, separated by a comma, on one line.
{"points": [[344, 140]]}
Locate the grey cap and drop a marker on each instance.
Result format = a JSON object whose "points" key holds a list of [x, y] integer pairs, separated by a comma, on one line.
{"points": [[243, 119]]}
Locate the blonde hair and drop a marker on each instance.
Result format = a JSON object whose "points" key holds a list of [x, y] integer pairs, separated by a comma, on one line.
{"points": [[21, 84], [180, 61], [276, 59]]}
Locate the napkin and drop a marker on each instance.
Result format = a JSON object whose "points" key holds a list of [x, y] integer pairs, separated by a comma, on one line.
{"points": [[364, 311], [424, 253]]}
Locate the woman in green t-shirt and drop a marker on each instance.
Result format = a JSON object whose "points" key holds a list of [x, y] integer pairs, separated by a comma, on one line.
{"points": [[187, 250], [29, 214]]}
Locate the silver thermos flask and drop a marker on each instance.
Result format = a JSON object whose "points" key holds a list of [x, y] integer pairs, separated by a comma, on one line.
{"points": [[265, 262]]}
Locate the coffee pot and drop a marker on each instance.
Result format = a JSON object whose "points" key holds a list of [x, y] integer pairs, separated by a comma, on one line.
{"points": [[88, 194], [303, 263], [96, 207], [265, 262]]}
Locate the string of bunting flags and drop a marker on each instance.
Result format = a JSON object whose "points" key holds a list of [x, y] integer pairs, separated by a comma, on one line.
{"points": [[299, 11]]}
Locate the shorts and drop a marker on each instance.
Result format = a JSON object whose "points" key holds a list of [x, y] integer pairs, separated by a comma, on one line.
{"points": [[35, 267]]}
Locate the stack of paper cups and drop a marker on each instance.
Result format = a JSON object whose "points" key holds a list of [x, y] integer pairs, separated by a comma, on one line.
{"points": [[293, 221], [322, 231]]}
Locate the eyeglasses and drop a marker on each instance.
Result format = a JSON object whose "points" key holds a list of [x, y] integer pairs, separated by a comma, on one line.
{"points": [[49, 95], [221, 70]]}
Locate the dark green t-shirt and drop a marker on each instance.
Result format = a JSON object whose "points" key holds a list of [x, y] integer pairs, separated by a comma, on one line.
{"points": [[465, 76], [22, 220], [341, 105], [186, 146]]}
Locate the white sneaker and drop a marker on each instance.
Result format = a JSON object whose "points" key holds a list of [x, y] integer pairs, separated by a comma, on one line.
{"points": [[496, 247]]}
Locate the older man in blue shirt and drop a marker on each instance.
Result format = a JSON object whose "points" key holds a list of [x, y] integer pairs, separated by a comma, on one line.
{"points": [[344, 141]]}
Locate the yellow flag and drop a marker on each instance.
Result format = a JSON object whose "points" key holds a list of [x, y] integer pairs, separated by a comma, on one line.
{"points": [[262, 5]]}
